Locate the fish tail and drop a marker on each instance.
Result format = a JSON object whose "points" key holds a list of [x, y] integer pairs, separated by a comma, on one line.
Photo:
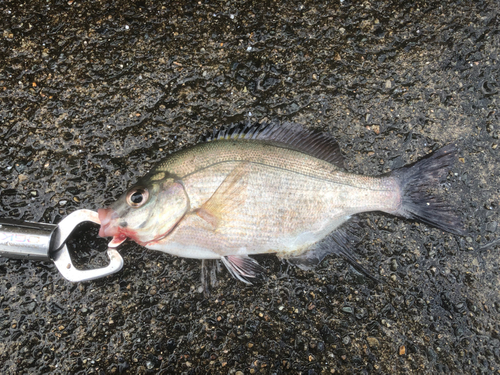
{"points": [[419, 185]]}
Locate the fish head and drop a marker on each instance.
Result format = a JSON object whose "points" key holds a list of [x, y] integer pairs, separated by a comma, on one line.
{"points": [[147, 212]]}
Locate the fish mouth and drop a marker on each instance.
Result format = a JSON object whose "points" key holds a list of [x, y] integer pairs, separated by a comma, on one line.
{"points": [[106, 217], [109, 227]]}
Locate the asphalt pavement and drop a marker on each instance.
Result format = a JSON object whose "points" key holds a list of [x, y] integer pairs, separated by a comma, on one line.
{"points": [[92, 94]]}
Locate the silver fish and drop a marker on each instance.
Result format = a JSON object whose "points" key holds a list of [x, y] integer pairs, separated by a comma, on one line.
{"points": [[269, 189]]}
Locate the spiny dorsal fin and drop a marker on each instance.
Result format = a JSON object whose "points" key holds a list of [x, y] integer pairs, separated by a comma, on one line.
{"points": [[319, 145]]}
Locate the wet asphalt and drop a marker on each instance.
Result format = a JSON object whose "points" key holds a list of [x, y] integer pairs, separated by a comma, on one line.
{"points": [[92, 94]]}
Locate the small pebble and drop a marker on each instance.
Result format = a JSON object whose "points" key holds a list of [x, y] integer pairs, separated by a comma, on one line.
{"points": [[394, 265], [373, 342], [492, 226], [22, 178]]}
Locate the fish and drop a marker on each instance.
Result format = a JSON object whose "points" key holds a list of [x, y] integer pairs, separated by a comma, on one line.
{"points": [[271, 188]]}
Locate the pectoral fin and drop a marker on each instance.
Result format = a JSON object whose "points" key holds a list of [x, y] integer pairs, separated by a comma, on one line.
{"points": [[230, 195], [243, 268], [209, 217]]}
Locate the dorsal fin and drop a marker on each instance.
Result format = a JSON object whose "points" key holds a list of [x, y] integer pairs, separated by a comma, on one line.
{"points": [[319, 145]]}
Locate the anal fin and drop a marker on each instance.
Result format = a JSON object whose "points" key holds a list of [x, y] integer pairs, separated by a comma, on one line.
{"points": [[243, 268], [339, 242]]}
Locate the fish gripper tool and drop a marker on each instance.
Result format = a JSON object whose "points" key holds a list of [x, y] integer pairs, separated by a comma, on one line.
{"points": [[47, 242]]}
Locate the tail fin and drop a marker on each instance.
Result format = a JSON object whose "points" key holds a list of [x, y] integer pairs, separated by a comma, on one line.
{"points": [[418, 184]]}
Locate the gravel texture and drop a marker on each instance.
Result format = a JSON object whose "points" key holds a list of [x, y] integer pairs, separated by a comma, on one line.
{"points": [[92, 94]]}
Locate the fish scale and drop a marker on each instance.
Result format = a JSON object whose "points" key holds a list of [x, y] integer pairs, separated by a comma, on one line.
{"points": [[201, 156], [305, 205]]}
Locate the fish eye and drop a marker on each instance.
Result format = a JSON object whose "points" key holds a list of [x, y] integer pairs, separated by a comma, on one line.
{"points": [[136, 197]]}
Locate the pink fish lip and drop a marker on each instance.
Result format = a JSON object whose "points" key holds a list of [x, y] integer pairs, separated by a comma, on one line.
{"points": [[106, 216], [110, 228]]}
